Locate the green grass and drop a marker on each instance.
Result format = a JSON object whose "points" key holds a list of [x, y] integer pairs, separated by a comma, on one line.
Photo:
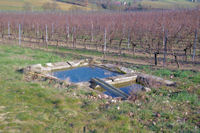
{"points": [[36, 5], [38, 106], [77, 51], [166, 4]]}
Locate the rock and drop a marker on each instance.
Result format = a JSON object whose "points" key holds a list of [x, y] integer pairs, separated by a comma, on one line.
{"points": [[76, 63], [127, 70], [85, 64], [153, 81], [170, 83], [60, 67], [99, 96], [49, 64], [96, 61], [60, 64], [105, 96], [36, 68], [147, 89], [124, 78], [46, 69], [51, 77], [110, 65], [113, 101]]}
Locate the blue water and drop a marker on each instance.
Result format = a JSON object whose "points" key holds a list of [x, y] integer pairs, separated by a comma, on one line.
{"points": [[128, 90], [84, 74]]}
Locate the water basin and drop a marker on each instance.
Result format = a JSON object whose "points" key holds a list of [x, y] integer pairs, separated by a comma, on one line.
{"points": [[84, 74]]}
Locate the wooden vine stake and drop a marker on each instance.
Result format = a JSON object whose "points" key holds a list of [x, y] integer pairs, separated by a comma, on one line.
{"points": [[104, 49], [52, 30], [165, 46], [19, 34], [92, 34], [8, 29], [194, 46], [46, 36], [128, 39]]}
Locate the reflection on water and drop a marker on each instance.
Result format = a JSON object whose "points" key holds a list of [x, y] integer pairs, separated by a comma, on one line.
{"points": [[83, 74], [128, 90]]}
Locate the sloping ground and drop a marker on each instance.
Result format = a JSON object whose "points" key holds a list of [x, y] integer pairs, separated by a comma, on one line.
{"points": [[12, 5], [169, 4], [36, 5], [39, 106], [74, 2], [166, 4]]}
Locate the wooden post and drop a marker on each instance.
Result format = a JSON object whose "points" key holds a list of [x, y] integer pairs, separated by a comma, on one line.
{"points": [[128, 39], [194, 46], [72, 34], [46, 35], [92, 32], [120, 45], [22, 31], [105, 34], [52, 29], [185, 52], [155, 58], [8, 29], [19, 34], [176, 60], [38, 30], [68, 31], [165, 45], [2, 30], [74, 37]]}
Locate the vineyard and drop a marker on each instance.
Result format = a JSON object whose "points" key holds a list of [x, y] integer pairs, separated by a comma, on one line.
{"points": [[158, 52], [161, 37]]}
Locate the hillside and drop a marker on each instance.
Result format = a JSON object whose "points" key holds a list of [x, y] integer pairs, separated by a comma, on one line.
{"points": [[35, 5], [158, 4], [40, 5], [169, 4]]}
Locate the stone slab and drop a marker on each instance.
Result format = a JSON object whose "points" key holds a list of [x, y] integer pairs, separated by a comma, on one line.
{"points": [[153, 81]]}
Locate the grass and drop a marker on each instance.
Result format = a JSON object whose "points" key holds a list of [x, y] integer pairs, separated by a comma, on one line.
{"points": [[38, 106], [166, 4], [36, 5], [169, 4], [77, 51]]}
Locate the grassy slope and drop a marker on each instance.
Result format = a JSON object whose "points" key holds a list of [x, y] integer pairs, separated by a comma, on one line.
{"points": [[166, 4], [40, 107], [15, 5], [36, 5], [170, 4]]}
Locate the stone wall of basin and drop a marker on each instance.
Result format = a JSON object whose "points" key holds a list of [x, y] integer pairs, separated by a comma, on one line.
{"points": [[128, 74], [48, 67], [131, 77]]}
